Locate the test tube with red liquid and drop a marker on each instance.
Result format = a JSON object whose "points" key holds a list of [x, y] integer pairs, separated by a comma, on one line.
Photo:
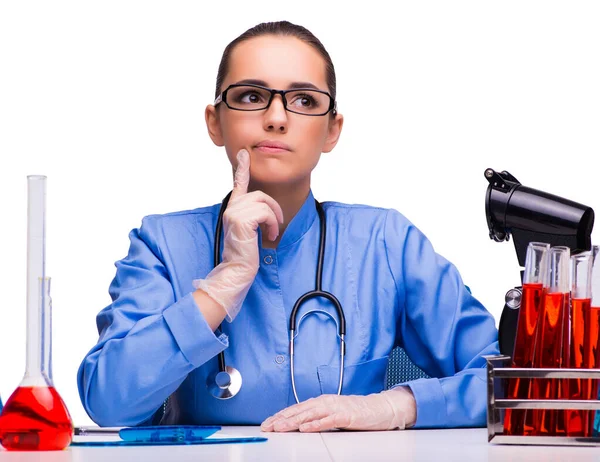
{"points": [[35, 417], [591, 354], [550, 345], [581, 294], [520, 421]]}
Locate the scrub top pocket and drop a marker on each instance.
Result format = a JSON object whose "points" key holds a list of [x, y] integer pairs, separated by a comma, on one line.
{"points": [[359, 379]]}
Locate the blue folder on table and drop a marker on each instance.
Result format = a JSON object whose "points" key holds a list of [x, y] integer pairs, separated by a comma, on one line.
{"points": [[168, 436]]}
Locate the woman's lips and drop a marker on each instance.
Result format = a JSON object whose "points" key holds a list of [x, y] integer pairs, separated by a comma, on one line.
{"points": [[270, 149]]}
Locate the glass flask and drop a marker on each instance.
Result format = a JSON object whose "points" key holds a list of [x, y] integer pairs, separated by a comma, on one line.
{"points": [[519, 421], [35, 417]]}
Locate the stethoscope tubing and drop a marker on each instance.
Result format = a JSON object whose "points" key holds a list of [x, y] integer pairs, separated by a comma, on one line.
{"points": [[317, 292]]}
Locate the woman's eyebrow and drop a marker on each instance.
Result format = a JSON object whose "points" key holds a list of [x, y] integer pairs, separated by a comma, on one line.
{"points": [[291, 86]]}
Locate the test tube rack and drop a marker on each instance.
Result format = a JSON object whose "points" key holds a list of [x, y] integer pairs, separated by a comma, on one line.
{"points": [[499, 371]]}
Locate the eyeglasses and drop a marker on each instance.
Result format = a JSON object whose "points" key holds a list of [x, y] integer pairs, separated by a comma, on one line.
{"points": [[305, 101]]}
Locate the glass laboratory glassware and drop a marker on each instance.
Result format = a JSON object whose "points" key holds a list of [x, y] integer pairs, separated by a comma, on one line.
{"points": [[553, 324], [534, 281], [591, 337], [35, 417], [581, 294]]}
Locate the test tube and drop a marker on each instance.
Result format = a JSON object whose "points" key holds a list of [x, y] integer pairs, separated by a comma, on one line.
{"points": [[581, 294], [592, 333], [519, 421], [549, 345]]}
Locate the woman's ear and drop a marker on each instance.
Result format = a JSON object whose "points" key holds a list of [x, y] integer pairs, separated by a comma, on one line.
{"points": [[333, 133], [213, 124]]}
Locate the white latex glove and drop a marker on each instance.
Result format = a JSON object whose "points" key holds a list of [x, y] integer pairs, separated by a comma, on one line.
{"points": [[228, 283], [388, 410]]}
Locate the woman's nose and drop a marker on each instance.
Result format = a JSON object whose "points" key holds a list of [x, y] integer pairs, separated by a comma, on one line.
{"points": [[276, 116]]}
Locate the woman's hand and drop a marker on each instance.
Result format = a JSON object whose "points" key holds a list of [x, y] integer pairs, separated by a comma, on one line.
{"points": [[228, 283], [388, 410]]}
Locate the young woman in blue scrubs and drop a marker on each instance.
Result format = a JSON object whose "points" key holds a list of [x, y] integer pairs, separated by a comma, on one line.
{"points": [[172, 313]]}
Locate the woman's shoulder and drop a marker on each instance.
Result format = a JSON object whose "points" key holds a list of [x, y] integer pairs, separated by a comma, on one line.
{"points": [[366, 211], [171, 224], [368, 221], [182, 215]]}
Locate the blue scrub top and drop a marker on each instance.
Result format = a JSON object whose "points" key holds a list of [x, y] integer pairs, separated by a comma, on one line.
{"points": [[395, 290]]}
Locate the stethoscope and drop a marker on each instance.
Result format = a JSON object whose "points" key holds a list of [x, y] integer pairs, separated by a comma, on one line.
{"points": [[227, 381]]}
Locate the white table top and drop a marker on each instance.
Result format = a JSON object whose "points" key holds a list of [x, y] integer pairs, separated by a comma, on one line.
{"points": [[427, 445]]}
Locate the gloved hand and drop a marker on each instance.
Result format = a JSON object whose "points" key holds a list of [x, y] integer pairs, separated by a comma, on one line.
{"points": [[388, 410], [228, 283]]}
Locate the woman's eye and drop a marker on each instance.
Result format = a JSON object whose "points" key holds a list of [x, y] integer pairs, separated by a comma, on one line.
{"points": [[304, 100], [250, 97]]}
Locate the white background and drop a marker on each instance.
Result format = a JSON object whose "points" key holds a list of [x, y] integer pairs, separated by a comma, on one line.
{"points": [[107, 99]]}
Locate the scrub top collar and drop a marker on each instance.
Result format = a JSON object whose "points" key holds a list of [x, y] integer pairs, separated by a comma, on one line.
{"points": [[299, 225]]}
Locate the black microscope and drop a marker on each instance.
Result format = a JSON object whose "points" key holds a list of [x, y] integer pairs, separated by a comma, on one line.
{"points": [[530, 215]]}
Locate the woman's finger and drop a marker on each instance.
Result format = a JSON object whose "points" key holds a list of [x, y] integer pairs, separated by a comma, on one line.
{"points": [[267, 216], [291, 411], [330, 422], [260, 196], [244, 217], [294, 423], [242, 174]]}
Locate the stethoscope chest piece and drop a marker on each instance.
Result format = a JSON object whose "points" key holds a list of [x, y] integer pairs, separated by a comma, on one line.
{"points": [[225, 384]]}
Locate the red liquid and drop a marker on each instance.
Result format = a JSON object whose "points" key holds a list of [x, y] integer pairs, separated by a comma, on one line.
{"points": [[563, 384], [549, 353], [35, 418], [591, 358], [576, 424], [514, 420]]}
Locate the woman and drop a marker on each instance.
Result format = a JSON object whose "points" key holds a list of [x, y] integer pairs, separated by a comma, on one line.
{"points": [[161, 336]]}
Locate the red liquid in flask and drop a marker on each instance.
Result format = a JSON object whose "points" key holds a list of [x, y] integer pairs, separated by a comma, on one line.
{"points": [[549, 353], [575, 418], [518, 388], [35, 418]]}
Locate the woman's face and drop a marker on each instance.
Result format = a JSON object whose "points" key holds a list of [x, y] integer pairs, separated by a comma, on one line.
{"points": [[279, 62]]}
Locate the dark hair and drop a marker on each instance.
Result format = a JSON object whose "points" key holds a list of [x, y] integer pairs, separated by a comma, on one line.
{"points": [[281, 28]]}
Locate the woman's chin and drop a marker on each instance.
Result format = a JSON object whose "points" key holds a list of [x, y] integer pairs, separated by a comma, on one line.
{"points": [[272, 175]]}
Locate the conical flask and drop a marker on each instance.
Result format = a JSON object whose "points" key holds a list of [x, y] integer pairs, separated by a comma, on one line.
{"points": [[35, 416]]}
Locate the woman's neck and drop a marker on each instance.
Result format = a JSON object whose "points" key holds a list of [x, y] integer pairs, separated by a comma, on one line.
{"points": [[290, 198]]}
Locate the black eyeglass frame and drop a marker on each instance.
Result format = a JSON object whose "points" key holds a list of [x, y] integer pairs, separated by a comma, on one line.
{"points": [[222, 98]]}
